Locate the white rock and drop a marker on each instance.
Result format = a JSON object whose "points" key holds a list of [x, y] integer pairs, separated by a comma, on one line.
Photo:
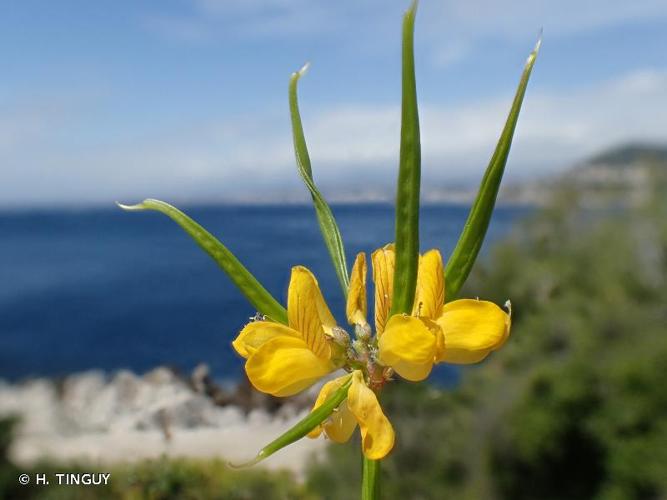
{"points": [[127, 417]]}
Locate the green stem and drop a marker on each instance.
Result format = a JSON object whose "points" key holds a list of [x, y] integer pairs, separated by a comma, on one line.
{"points": [[370, 481]]}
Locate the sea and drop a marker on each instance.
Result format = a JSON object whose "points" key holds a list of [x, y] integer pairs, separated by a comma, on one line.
{"points": [[106, 289]]}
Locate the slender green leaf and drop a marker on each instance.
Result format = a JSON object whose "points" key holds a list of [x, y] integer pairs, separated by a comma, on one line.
{"points": [[256, 294], [303, 426], [325, 218], [409, 174], [472, 237]]}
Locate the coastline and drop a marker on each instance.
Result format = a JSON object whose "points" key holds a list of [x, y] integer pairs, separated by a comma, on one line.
{"points": [[123, 417]]}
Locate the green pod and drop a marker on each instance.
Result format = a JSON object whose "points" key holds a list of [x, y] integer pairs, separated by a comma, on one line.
{"points": [[303, 427], [252, 289], [325, 218], [467, 248], [409, 177]]}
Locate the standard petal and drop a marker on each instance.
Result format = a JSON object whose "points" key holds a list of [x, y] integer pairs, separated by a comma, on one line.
{"points": [[383, 277], [430, 293], [284, 366], [377, 434], [307, 312], [410, 346], [341, 424], [472, 329], [356, 297], [255, 334]]}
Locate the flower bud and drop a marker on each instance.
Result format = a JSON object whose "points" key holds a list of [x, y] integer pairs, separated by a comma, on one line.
{"points": [[363, 332], [340, 336]]}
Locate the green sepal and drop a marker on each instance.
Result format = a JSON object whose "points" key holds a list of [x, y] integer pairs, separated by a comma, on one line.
{"points": [[467, 248], [252, 289], [409, 175], [302, 427], [325, 218]]}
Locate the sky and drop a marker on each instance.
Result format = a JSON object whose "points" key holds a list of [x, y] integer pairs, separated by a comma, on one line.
{"points": [[186, 100]]}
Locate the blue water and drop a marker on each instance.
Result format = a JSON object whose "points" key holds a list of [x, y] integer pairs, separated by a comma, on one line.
{"points": [[109, 289]]}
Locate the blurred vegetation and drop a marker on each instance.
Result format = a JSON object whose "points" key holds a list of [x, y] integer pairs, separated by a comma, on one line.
{"points": [[573, 407], [161, 479]]}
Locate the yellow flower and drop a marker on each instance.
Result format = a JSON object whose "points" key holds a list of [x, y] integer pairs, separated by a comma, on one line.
{"points": [[361, 407], [461, 331], [383, 260], [284, 360]]}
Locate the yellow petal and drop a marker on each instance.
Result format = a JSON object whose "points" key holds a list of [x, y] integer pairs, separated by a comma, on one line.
{"points": [[383, 277], [284, 366], [307, 312], [410, 346], [257, 333], [377, 434], [356, 297], [341, 424], [430, 293], [463, 357], [472, 329]]}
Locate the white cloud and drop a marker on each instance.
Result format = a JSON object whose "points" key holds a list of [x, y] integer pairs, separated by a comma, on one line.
{"points": [[451, 28], [555, 129], [509, 18], [349, 145], [210, 20]]}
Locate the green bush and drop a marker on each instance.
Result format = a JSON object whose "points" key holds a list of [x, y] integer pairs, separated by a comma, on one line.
{"points": [[573, 407], [162, 479]]}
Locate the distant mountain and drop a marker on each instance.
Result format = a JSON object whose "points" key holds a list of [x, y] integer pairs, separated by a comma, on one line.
{"points": [[623, 175], [630, 155]]}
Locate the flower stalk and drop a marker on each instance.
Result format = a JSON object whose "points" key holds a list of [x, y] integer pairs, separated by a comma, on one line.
{"points": [[370, 482]]}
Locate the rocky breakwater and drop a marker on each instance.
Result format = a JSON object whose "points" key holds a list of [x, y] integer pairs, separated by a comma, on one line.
{"points": [[125, 417]]}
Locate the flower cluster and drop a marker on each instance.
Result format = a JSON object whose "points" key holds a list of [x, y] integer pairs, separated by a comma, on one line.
{"points": [[283, 360]]}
